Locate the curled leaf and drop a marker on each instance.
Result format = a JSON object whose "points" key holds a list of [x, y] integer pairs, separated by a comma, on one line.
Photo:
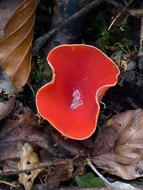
{"points": [[119, 148], [16, 32]]}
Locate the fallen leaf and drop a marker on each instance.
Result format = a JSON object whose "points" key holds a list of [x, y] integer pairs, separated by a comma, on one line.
{"points": [[119, 148], [28, 159], [7, 10], [62, 158], [21, 127], [16, 32]]}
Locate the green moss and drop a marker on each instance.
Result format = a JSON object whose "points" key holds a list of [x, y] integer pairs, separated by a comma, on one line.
{"points": [[38, 71]]}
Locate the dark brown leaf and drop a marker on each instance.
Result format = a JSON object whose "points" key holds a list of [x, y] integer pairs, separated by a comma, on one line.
{"points": [[119, 148], [21, 128]]}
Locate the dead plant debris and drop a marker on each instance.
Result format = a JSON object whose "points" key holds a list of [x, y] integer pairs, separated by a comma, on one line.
{"points": [[35, 156]]}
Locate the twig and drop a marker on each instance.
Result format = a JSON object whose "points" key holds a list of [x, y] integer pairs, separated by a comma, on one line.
{"points": [[23, 140], [41, 40], [41, 166], [119, 14], [100, 175], [32, 90], [141, 36], [15, 172], [136, 12], [9, 184]]}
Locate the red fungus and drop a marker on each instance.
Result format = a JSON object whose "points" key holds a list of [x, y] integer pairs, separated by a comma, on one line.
{"points": [[81, 76]]}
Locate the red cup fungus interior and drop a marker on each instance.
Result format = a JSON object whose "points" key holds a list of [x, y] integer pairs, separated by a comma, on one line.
{"points": [[81, 76]]}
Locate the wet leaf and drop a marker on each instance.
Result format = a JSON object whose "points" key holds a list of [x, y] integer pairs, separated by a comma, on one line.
{"points": [[89, 180], [16, 32], [119, 148], [28, 159]]}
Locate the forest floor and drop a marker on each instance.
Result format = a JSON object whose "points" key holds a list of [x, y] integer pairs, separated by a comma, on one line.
{"points": [[33, 155]]}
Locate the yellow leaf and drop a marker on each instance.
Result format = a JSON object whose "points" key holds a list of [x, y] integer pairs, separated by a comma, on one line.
{"points": [[28, 160], [16, 33]]}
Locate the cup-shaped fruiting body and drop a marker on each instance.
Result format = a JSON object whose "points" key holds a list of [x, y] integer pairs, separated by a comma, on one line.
{"points": [[81, 76]]}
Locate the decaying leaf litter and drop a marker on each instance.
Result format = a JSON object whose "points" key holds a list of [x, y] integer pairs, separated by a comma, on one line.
{"points": [[52, 161]]}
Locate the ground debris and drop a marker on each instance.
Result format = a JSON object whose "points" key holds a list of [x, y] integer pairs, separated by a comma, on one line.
{"points": [[20, 128], [60, 158]]}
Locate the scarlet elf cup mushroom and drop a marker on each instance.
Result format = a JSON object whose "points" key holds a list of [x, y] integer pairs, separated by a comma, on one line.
{"points": [[81, 76]]}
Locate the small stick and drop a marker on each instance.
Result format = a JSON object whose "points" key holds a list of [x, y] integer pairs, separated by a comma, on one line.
{"points": [[141, 38], [15, 172], [136, 12], [32, 90], [119, 14], [42, 40], [140, 53], [9, 184], [41, 166], [100, 175]]}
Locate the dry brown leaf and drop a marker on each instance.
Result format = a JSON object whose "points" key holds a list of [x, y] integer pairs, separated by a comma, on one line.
{"points": [[28, 159], [119, 148], [16, 32]]}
